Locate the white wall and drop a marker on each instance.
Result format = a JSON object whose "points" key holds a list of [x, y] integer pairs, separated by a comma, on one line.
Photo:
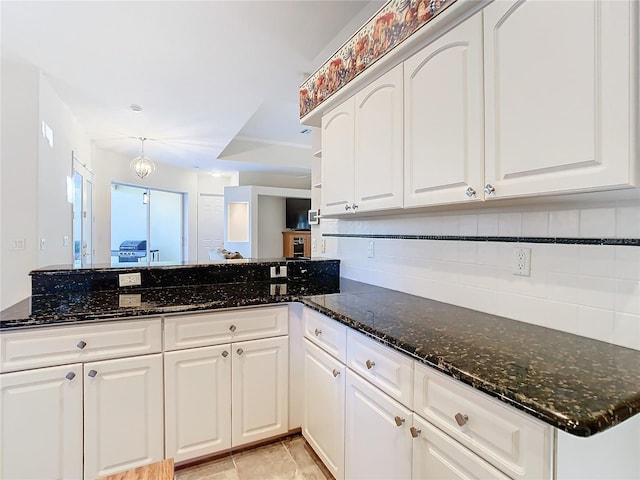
{"points": [[271, 223], [589, 290], [113, 167], [34, 202]]}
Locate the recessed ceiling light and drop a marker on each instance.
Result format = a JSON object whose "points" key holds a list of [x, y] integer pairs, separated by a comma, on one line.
{"points": [[135, 108], [216, 174]]}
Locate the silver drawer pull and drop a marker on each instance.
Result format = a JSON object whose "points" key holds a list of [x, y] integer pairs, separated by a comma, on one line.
{"points": [[70, 376], [399, 420], [336, 372], [232, 328], [225, 354], [92, 373], [461, 419], [415, 432], [81, 344], [370, 364], [240, 351], [317, 332]]}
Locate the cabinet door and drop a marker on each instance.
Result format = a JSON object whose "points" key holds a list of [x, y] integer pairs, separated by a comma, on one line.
{"points": [[376, 446], [41, 424], [444, 124], [436, 456], [324, 403], [558, 95], [260, 389], [337, 159], [197, 401], [122, 414], [378, 143]]}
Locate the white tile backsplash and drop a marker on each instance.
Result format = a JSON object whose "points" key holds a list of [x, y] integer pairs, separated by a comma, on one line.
{"points": [[589, 290]]}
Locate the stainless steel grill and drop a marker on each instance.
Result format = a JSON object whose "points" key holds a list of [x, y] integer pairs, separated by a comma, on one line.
{"points": [[132, 250]]}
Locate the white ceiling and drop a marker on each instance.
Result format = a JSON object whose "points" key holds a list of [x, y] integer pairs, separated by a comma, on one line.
{"points": [[214, 78]]}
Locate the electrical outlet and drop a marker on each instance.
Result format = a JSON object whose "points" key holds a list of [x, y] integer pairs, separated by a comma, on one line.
{"points": [[371, 250], [323, 248], [522, 261], [129, 279], [130, 300], [278, 289], [278, 271]]}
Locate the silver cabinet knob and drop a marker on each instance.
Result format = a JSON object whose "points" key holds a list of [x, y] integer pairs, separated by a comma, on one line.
{"points": [[92, 373], [461, 419], [370, 364], [415, 432], [489, 189], [225, 354], [399, 420], [470, 192], [81, 344], [347, 207], [354, 207], [317, 332], [240, 351], [70, 376], [233, 328], [336, 372]]}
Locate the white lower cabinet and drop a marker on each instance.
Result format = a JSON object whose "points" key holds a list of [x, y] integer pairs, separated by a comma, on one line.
{"points": [[123, 414], [324, 407], [41, 424], [377, 438]]}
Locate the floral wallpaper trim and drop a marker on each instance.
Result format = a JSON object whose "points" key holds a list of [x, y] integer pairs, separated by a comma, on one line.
{"points": [[392, 25]]}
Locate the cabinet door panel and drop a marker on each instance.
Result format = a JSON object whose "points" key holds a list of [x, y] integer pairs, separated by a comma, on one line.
{"points": [[378, 143], [197, 401], [337, 159], [123, 414], [41, 424], [376, 447], [323, 423], [437, 456], [558, 116], [260, 393], [444, 134]]}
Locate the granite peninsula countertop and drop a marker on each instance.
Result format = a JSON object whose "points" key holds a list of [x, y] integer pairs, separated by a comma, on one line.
{"points": [[576, 384]]}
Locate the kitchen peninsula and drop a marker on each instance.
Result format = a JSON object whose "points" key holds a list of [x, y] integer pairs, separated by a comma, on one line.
{"points": [[577, 385]]}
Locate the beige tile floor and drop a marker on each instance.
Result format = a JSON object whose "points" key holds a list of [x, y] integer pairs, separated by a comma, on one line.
{"points": [[291, 458]]}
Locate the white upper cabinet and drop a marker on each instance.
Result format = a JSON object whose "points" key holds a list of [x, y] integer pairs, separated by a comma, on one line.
{"points": [[337, 159], [560, 87], [443, 112], [378, 144]]}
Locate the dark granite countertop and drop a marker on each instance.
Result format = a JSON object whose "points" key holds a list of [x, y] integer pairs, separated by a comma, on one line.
{"points": [[576, 384]]}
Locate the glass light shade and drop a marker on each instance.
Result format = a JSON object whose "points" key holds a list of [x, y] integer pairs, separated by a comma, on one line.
{"points": [[142, 166]]}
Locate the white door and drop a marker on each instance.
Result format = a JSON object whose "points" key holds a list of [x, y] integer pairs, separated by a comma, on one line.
{"points": [[324, 407], [379, 143], [123, 414], [436, 456], [337, 159], [444, 123], [82, 238], [377, 438], [210, 224], [260, 389], [197, 401], [41, 424], [558, 95]]}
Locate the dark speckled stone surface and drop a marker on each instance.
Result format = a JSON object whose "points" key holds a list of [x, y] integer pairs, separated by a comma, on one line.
{"points": [[576, 384]]}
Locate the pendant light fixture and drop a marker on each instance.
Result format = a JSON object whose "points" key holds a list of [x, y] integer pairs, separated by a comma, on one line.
{"points": [[142, 166]]}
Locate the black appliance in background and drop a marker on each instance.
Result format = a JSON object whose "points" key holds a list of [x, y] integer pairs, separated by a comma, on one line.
{"points": [[297, 210], [132, 250]]}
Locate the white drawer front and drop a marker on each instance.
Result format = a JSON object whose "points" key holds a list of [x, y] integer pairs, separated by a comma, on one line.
{"points": [[80, 343], [214, 328], [325, 332], [517, 445], [390, 371]]}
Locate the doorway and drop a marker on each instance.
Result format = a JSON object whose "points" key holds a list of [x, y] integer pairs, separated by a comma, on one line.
{"points": [[147, 226], [82, 225]]}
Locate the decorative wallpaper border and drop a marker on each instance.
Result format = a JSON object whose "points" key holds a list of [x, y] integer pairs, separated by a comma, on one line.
{"points": [[392, 25], [631, 242]]}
